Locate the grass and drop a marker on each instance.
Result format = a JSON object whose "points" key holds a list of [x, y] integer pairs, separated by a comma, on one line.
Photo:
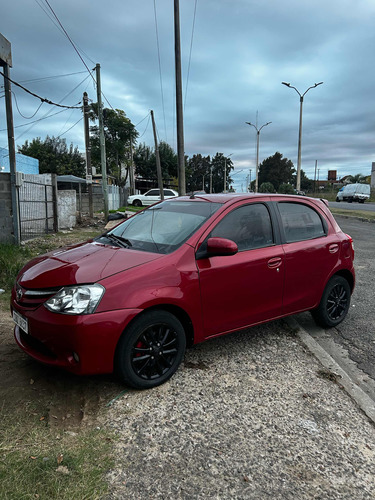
{"points": [[354, 213], [39, 463]]}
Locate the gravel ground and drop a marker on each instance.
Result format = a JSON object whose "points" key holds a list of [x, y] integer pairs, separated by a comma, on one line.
{"points": [[248, 416]]}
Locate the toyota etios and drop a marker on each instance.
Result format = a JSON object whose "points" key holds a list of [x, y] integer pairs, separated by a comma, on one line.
{"points": [[178, 273]]}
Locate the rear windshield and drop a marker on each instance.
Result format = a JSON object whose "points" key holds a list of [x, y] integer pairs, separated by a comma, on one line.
{"points": [[161, 228]]}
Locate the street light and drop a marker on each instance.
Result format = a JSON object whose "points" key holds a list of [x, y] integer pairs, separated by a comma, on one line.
{"points": [[257, 164], [301, 96], [225, 172]]}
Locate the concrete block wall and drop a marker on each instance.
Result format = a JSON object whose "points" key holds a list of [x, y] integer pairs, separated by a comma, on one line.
{"points": [[6, 221], [66, 208]]}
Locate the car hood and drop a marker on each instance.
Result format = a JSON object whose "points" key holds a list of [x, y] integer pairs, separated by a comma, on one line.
{"points": [[87, 262]]}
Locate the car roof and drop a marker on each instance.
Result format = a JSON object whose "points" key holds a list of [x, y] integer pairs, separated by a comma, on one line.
{"points": [[233, 197]]}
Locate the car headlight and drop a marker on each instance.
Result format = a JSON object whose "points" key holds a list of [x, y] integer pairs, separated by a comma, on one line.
{"points": [[78, 299]]}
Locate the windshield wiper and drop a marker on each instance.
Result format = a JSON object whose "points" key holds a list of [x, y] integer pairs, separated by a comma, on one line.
{"points": [[123, 242]]}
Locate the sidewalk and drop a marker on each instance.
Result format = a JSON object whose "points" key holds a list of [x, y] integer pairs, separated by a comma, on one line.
{"points": [[253, 415]]}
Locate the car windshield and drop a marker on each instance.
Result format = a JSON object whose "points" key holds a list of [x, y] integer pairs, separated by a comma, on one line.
{"points": [[161, 228]]}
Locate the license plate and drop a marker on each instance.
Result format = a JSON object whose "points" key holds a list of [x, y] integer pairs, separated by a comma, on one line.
{"points": [[21, 321]]}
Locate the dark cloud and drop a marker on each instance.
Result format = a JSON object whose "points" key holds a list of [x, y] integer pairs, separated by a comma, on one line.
{"points": [[242, 51]]}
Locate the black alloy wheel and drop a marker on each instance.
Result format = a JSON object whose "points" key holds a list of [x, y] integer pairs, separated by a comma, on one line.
{"points": [[150, 350], [334, 304]]}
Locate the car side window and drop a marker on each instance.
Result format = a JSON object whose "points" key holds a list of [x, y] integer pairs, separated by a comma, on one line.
{"points": [[249, 226], [300, 222], [153, 192], [167, 192]]}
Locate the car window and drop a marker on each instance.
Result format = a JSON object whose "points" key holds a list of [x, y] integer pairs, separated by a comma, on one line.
{"points": [[300, 222], [168, 192], [249, 226], [153, 192]]}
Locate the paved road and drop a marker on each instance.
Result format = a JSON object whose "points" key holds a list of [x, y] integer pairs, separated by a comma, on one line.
{"points": [[369, 207], [354, 339]]}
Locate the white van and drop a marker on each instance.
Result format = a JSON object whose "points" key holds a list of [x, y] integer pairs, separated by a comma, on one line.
{"points": [[354, 192]]}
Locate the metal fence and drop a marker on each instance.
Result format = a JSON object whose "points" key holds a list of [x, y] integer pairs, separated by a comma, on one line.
{"points": [[37, 205]]}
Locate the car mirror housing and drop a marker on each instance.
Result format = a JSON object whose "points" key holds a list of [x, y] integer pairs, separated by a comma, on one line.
{"points": [[215, 247]]}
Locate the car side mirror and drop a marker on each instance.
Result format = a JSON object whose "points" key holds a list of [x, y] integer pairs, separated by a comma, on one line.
{"points": [[217, 247]]}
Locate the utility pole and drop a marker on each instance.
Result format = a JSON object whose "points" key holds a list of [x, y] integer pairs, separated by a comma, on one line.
{"points": [[102, 141], [257, 164], [179, 113], [132, 179], [316, 166], [6, 62], [88, 151], [211, 179], [158, 166]]}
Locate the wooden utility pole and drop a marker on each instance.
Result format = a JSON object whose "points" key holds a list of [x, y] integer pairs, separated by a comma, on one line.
{"points": [[179, 113], [102, 141], [132, 179], [158, 166], [6, 62], [88, 151]]}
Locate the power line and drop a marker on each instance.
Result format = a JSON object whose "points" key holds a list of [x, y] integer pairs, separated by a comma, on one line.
{"points": [[18, 109], [35, 121], [160, 72], [70, 128], [148, 123], [43, 99], [191, 48]]}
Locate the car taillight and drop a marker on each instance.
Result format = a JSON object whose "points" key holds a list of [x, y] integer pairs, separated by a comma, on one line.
{"points": [[351, 243]]}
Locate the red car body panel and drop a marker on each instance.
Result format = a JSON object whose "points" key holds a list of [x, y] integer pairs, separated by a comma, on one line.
{"points": [[215, 295]]}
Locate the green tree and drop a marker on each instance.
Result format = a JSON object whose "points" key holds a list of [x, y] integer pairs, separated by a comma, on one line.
{"points": [[285, 188], [119, 133], [218, 167], [55, 156], [276, 170], [198, 173], [145, 161], [358, 178], [266, 187]]}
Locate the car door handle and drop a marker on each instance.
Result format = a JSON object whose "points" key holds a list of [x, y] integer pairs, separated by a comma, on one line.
{"points": [[275, 262], [333, 248]]}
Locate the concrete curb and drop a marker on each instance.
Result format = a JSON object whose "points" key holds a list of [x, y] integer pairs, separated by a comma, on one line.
{"points": [[366, 404]]}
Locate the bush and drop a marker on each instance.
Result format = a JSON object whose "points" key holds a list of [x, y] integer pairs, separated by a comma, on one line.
{"points": [[266, 187], [286, 188]]}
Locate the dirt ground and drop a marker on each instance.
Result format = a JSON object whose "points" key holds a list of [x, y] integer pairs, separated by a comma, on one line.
{"points": [[61, 399]]}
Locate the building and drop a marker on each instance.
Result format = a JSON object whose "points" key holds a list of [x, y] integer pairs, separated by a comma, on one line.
{"points": [[24, 164]]}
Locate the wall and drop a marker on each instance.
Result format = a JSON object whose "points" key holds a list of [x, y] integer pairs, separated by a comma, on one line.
{"points": [[6, 223], [24, 164], [66, 206]]}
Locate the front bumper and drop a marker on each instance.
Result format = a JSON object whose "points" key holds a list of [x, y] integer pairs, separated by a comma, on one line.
{"points": [[80, 344]]}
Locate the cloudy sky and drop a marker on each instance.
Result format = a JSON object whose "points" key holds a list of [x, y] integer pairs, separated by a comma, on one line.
{"points": [[235, 54]]}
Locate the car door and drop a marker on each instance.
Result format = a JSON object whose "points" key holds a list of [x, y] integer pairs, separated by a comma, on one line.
{"points": [[311, 251], [151, 197], [245, 288]]}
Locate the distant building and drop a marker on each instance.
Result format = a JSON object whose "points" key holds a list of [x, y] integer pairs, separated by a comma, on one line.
{"points": [[24, 164]]}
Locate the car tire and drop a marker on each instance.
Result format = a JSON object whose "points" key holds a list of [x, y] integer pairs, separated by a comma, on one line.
{"points": [[150, 350], [334, 304], [350, 200], [338, 200], [137, 203], [361, 201]]}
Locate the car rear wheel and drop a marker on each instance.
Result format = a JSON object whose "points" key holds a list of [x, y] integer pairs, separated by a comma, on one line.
{"points": [[150, 350], [334, 304], [137, 203]]}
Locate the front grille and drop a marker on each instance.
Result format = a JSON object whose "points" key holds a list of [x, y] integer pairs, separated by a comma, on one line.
{"points": [[33, 298]]}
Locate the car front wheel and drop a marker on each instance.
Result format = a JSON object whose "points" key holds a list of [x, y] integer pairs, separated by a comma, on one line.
{"points": [[334, 304], [150, 350], [137, 203]]}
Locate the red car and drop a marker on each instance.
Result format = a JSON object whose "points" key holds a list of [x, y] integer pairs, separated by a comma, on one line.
{"points": [[178, 273]]}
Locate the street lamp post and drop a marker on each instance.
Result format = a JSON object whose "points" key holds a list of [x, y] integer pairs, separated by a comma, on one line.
{"points": [[257, 164], [301, 96]]}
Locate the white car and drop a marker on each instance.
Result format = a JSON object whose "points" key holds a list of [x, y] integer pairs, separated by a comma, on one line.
{"points": [[151, 197], [354, 192]]}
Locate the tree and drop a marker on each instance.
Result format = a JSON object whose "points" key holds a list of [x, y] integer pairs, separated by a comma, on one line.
{"points": [[358, 178], [145, 161], [218, 167], [285, 188], [119, 133], [54, 156], [276, 170], [266, 187], [198, 173]]}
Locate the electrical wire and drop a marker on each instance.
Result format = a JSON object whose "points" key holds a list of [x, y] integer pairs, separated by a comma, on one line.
{"points": [[18, 109], [37, 96], [191, 48], [35, 121], [143, 119], [148, 123], [160, 72], [70, 128]]}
